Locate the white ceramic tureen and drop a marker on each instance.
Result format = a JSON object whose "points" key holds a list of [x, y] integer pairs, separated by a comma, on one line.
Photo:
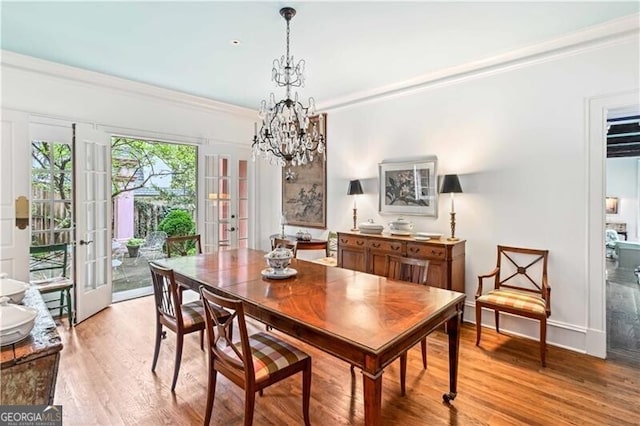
{"points": [[401, 224], [279, 258], [370, 228], [16, 322], [12, 289]]}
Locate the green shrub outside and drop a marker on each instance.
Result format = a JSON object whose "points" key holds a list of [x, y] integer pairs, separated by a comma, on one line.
{"points": [[177, 223]]}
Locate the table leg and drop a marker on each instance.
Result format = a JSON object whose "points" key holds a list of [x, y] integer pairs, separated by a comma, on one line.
{"points": [[372, 398], [453, 330]]}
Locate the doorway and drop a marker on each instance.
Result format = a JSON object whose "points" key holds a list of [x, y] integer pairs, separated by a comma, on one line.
{"points": [[154, 196], [622, 216]]}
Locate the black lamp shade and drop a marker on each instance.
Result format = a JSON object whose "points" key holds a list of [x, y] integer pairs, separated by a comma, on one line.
{"points": [[355, 188], [450, 183]]}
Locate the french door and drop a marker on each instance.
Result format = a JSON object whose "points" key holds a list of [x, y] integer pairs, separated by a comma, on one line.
{"points": [[92, 160], [14, 192], [224, 193]]}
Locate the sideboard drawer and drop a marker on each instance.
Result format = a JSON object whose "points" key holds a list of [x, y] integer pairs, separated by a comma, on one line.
{"points": [[352, 241], [426, 251], [396, 247]]}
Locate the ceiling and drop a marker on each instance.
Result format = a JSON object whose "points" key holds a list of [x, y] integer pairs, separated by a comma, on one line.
{"points": [[623, 136], [349, 47]]}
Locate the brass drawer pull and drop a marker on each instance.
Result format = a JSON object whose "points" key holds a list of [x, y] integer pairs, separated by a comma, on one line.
{"points": [[414, 250], [376, 245], [395, 247], [359, 243]]}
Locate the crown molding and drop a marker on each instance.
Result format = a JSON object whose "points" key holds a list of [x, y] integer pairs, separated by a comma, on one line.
{"points": [[78, 75], [609, 33]]}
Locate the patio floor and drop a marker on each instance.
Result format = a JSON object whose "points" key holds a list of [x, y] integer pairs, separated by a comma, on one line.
{"points": [[131, 275]]}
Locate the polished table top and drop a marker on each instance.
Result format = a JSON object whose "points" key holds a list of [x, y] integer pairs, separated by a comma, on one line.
{"points": [[364, 319]]}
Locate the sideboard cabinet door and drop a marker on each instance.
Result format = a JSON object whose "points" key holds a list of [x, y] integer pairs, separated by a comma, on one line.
{"points": [[352, 252]]}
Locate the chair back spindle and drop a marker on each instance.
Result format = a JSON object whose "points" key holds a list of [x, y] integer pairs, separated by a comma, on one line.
{"points": [[182, 245], [407, 269]]}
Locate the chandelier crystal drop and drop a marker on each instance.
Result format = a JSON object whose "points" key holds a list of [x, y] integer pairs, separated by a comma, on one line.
{"points": [[288, 134]]}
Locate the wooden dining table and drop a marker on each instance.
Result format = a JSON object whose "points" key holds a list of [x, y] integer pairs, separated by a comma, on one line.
{"points": [[363, 319]]}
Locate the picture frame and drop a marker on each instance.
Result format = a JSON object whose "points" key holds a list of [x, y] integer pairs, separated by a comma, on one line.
{"points": [[611, 205], [304, 189], [408, 186]]}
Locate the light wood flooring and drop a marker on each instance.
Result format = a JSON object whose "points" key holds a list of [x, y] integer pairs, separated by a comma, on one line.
{"points": [[105, 379]]}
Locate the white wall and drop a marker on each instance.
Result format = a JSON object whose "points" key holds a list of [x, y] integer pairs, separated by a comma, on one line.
{"points": [[517, 136], [622, 182]]}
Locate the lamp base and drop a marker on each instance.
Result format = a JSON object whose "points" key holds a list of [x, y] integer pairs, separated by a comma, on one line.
{"points": [[355, 219], [453, 239]]}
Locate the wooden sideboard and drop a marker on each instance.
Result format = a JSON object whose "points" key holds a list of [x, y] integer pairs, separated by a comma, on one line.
{"points": [[367, 253]]}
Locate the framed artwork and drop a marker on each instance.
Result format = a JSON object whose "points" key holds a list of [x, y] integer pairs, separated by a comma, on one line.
{"points": [[304, 189], [408, 187], [611, 205]]}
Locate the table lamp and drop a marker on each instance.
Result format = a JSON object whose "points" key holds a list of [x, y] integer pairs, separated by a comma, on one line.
{"points": [[355, 189], [451, 185]]}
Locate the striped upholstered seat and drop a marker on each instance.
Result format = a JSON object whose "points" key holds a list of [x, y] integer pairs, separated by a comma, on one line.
{"points": [[192, 313], [515, 299], [270, 354]]}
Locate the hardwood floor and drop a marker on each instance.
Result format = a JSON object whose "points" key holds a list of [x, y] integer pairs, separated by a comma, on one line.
{"points": [[623, 314], [105, 378]]}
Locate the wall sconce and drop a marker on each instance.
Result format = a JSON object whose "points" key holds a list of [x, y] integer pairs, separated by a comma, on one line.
{"points": [[451, 185], [355, 189]]}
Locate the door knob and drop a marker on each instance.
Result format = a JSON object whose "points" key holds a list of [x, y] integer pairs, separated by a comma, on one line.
{"points": [[85, 243], [232, 229]]}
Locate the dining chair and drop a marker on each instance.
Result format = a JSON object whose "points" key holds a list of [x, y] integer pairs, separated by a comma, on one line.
{"points": [[178, 317], [281, 242], [183, 245], [49, 269], [255, 362], [331, 258], [414, 271], [520, 287]]}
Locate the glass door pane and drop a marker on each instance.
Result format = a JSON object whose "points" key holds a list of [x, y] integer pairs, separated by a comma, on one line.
{"points": [[226, 210]]}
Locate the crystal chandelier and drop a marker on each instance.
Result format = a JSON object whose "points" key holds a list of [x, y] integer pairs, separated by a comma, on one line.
{"points": [[287, 134]]}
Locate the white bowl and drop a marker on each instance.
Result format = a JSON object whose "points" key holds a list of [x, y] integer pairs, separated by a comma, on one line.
{"points": [[16, 322], [12, 289]]}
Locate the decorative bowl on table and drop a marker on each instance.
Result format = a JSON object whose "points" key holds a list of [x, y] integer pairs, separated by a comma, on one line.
{"points": [[279, 258], [12, 289], [16, 322]]}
